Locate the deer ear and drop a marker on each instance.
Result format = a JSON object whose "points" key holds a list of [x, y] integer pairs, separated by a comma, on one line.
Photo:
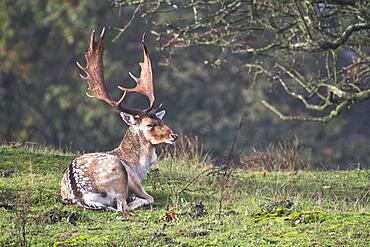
{"points": [[128, 118], [160, 114]]}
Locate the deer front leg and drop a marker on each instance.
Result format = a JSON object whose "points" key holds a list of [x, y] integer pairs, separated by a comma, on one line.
{"points": [[142, 197], [122, 205]]}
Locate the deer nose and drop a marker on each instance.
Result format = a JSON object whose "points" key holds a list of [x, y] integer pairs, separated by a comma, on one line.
{"points": [[174, 136]]}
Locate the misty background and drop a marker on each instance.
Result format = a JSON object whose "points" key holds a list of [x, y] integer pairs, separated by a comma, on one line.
{"points": [[42, 98]]}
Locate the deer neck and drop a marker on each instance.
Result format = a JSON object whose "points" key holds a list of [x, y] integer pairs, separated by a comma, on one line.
{"points": [[136, 152]]}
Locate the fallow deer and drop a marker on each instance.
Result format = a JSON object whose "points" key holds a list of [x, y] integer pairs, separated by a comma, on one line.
{"points": [[106, 180]]}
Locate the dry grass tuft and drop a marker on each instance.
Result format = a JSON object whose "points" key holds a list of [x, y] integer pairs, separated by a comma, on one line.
{"points": [[288, 155], [186, 148]]}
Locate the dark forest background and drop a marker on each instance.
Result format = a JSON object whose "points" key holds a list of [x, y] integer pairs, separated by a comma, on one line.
{"points": [[42, 98]]}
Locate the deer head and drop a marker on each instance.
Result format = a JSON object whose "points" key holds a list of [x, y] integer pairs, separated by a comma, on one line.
{"points": [[152, 127], [147, 122]]}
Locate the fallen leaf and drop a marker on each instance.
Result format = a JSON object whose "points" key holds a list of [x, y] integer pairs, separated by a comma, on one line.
{"points": [[170, 213]]}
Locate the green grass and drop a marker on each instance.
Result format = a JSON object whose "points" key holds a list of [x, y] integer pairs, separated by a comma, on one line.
{"points": [[278, 208]]}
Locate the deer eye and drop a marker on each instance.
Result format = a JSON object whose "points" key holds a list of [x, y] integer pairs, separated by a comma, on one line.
{"points": [[150, 126]]}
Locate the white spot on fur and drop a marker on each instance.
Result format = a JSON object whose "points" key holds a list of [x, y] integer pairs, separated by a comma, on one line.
{"points": [[103, 174]]}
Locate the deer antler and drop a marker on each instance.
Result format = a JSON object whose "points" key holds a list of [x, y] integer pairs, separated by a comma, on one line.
{"points": [[144, 84], [94, 71]]}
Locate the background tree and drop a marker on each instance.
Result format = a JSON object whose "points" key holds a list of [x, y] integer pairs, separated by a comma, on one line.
{"points": [[317, 51], [204, 88]]}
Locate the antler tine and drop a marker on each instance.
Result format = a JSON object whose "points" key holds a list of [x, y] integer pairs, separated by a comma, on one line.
{"points": [[144, 84], [94, 71]]}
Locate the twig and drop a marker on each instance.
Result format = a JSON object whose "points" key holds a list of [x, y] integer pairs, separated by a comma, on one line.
{"points": [[122, 30], [195, 178], [226, 170]]}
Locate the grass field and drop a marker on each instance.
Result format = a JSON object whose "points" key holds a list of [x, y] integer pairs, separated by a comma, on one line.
{"points": [[319, 208]]}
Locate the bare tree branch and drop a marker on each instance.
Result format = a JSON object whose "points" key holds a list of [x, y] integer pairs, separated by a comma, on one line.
{"points": [[323, 119], [316, 50], [122, 30]]}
